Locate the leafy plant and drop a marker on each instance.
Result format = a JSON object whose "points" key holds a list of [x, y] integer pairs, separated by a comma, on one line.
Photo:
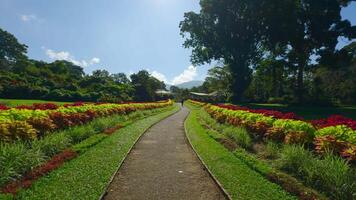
{"points": [[328, 143], [239, 135], [276, 134], [15, 159], [349, 153], [52, 144], [340, 132], [298, 137]]}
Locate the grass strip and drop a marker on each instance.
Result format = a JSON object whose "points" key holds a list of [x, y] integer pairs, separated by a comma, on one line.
{"points": [[237, 178], [86, 176]]}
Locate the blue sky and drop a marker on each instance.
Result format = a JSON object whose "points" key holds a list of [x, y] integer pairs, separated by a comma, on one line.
{"points": [[116, 35]]}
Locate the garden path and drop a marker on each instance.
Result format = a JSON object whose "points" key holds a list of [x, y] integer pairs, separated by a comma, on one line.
{"points": [[162, 165]]}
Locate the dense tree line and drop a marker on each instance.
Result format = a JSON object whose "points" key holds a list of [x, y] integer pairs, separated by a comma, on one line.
{"points": [[276, 50], [21, 77]]}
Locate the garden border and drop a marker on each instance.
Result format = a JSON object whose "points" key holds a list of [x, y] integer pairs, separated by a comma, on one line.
{"points": [[225, 193], [105, 191]]}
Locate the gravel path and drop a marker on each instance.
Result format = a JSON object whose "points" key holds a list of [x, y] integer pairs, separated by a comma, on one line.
{"points": [[162, 165]]}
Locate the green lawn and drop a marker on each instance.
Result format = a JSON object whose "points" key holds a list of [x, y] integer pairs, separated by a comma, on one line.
{"points": [[86, 176], [309, 112], [17, 102], [237, 178]]}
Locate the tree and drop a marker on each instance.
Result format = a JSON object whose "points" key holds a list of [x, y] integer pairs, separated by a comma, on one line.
{"points": [[227, 31], [120, 78], [219, 79], [241, 33], [336, 75], [145, 86], [306, 28], [11, 51]]}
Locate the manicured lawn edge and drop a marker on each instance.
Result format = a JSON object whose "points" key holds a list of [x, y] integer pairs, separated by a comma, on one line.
{"points": [[226, 194], [235, 176], [84, 177], [176, 109]]}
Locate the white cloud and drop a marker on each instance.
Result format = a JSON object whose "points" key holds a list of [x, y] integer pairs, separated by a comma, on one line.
{"points": [[65, 55], [94, 60], [187, 75], [159, 76], [27, 18]]}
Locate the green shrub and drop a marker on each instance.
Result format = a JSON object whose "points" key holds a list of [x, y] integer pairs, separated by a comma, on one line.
{"points": [[79, 133], [239, 135], [52, 144], [271, 150], [6, 196], [294, 158], [334, 175], [341, 132], [15, 159], [331, 175], [294, 125]]}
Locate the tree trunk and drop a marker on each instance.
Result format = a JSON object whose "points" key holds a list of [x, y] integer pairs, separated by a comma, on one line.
{"points": [[300, 82], [241, 78]]}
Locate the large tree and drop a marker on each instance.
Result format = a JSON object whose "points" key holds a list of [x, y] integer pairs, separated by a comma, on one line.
{"points": [[227, 31], [11, 51], [242, 32], [145, 86]]}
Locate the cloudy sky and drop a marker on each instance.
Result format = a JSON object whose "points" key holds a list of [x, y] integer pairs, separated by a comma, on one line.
{"points": [[116, 35]]}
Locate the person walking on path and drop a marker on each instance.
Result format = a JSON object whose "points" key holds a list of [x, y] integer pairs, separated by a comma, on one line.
{"points": [[182, 101]]}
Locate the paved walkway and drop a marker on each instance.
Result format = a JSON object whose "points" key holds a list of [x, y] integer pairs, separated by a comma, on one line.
{"points": [[162, 165]]}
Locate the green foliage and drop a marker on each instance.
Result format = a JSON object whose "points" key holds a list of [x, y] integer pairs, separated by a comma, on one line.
{"points": [[278, 40], [239, 135], [237, 178], [79, 133], [341, 132], [145, 86], [11, 51], [15, 159], [89, 142], [17, 130], [64, 81], [294, 125], [332, 174], [295, 157], [52, 144], [271, 150], [94, 167]]}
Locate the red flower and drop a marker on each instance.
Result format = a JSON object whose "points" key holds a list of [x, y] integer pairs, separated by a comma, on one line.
{"points": [[334, 120]]}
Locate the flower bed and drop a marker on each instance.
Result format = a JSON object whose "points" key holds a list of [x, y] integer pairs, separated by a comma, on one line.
{"points": [[31, 122], [336, 133], [198, 103]]}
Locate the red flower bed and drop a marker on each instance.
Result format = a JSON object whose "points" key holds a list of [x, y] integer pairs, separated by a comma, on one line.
{"points": [[39, 106], [266, 112], [39, 171], [79, 103], [334, 120], [3, 107]]}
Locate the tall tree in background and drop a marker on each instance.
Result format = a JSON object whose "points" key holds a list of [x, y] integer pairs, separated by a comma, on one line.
{"points": [[11, 51], [227, 31], [242, 32], [219, 79], [309, 28], [145, 86]]}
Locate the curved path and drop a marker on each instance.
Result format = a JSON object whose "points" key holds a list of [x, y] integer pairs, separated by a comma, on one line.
{"points": [[162, 165]]}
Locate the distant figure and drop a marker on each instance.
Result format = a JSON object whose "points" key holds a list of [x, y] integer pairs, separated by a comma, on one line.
{"points": [[182, 102]]}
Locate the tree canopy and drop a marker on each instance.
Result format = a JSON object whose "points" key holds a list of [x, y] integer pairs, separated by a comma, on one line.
{"points": [[24, 78], [243, 33]]}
